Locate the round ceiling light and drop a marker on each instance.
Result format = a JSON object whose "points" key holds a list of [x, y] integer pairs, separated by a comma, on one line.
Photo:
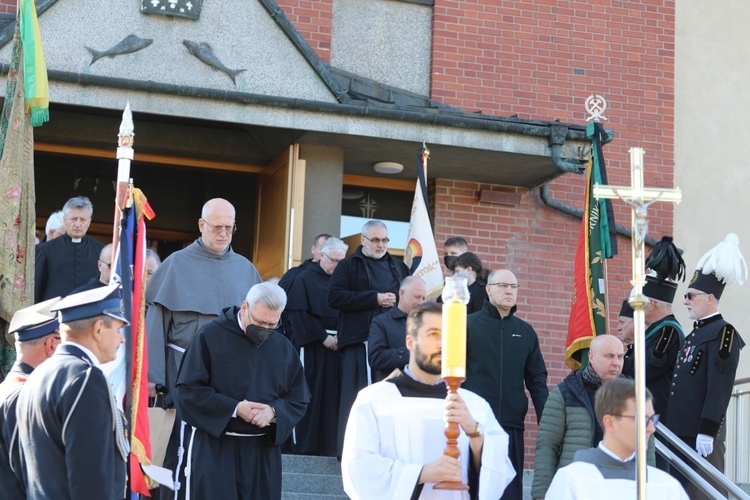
{"points": [[388, 167]]}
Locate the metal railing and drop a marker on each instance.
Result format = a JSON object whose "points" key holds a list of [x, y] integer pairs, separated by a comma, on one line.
{"points": [[738, 423], [700, 466]]}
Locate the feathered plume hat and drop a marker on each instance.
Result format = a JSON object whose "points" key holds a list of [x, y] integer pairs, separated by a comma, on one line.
{"points": [[665, 266], [721, 266]]}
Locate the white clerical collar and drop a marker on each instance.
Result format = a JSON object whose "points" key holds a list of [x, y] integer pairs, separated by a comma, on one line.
{"points": [[75, 240], [409, 374], [611, 454], [86, 351], [239, 321]]}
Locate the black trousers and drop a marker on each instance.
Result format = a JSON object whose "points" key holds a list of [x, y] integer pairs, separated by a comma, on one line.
{"points": [[514, 491]]}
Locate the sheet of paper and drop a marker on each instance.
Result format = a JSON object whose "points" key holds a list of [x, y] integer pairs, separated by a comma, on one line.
{"points": [[160, 475]]}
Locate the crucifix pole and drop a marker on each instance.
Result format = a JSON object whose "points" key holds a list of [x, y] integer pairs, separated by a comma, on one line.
{"points": [[639, 199]]}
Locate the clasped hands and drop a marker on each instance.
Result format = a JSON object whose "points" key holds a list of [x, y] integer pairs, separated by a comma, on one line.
{"points": [[258, 414], [446, 468], [387, 299]]}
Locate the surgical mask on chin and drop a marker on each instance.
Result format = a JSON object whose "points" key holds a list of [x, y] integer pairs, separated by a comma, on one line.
{"points": [[258, 334], [450, 261]]}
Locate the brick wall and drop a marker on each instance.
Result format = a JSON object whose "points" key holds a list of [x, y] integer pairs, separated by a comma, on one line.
{"points": [[8, 6], [313, 20], [540, 59]]}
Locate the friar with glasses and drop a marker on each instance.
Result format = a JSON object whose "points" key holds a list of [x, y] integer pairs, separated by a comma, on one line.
{"points": [[707, 360], [65, 263], [311, 322], [37, 335], [242, 390], [609, 469], [188, 291], [364, 285], [503, 357]]}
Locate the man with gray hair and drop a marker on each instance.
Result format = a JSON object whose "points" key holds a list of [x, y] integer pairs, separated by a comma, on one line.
{"points": [[242, 389], [311, 323], [67, 262], [364, 285], [187, 292], [55, 226]]}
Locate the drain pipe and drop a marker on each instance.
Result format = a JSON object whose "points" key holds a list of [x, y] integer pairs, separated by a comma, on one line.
{"points": [[557, 136]]}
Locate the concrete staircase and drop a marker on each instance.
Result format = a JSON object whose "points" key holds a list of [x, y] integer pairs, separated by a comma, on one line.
{"points": [[318, 478], [311, 478]]}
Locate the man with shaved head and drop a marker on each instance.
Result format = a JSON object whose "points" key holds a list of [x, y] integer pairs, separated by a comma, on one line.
{"points": [[105, 271], [502, 358], [188, 291], [569, 421]]}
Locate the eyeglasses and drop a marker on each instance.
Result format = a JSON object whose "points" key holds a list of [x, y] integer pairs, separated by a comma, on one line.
{"points": [[377, 241], [331, 258], [654, 419], [514, 286], [264, 324], [109, 266], [218, 229], [690, 295]]}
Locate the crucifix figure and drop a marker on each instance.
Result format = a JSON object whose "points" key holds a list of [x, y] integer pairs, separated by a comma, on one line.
{"points": [[639, 199]]}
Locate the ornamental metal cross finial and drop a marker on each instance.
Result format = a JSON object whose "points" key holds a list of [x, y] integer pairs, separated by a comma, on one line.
{"points": [[639, 198]]}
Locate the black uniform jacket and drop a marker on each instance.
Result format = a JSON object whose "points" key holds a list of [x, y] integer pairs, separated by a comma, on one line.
{"points": [[703, 378]]}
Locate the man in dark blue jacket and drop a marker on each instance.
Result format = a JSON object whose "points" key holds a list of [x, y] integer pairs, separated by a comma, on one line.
{"points": [[71, 435], [502, 355], [387, 341], [363, 285]]}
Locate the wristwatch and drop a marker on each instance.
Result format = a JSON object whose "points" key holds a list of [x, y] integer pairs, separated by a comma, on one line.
{"points": [[477, 432]]}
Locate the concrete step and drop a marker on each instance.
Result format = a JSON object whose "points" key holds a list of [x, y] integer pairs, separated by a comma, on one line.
{"points": [[319, 484], [311, 496], [311, 477], [310, 465]]}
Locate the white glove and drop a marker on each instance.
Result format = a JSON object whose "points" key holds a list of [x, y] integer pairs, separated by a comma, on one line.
{"points": [[704, 444]]}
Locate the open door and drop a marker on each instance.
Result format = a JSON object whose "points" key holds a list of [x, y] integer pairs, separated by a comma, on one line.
{"points": [[281, 199]]}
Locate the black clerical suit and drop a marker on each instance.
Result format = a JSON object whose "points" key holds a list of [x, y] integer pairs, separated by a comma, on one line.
{"points": [[66, 426], [62, 266], [387, 343], [230, 458]]}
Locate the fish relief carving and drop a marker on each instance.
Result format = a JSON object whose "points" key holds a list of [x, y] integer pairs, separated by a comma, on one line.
{"points": [[204, 53], [128, 45]]}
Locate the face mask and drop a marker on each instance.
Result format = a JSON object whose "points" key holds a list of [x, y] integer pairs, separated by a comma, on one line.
{"points": [[258, 334], [450, 261]]}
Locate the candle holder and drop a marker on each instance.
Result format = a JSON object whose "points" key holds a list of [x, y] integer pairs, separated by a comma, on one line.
{"points": [[453, 371]]}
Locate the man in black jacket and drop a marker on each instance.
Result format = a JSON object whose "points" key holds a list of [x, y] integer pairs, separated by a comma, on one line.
{"points": [[363, 285], [387, 340], [502, 355]]}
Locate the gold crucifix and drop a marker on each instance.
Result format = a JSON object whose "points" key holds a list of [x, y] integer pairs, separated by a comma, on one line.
{"points": [[639, 198]]}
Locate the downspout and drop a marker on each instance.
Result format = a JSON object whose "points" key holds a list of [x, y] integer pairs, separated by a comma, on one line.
{"points": [[557, 135]]}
